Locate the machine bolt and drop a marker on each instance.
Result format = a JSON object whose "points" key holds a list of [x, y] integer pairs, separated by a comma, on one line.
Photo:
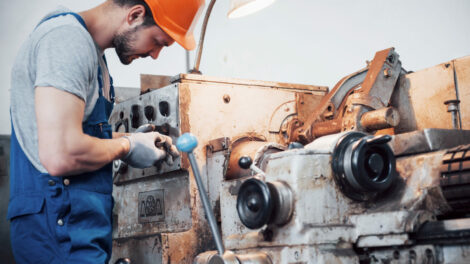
{"points": [[453, 108], [396, 254], [388, 72], [296, 255], [226, 98]]}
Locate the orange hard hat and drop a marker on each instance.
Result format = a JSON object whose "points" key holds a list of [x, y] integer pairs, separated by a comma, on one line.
{"points": [[177, 18]]}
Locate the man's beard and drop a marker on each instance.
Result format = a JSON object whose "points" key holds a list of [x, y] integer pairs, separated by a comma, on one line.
{"points": [[122, 44]]}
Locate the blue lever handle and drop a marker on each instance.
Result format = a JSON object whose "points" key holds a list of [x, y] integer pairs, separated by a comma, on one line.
{"points": [[186, 142]]}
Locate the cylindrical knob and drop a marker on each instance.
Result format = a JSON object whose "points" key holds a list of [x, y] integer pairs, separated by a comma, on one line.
{"points": [[245, 162]]}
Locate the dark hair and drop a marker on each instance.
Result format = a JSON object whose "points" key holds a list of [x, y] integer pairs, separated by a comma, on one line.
{"points": [[148, 19]]}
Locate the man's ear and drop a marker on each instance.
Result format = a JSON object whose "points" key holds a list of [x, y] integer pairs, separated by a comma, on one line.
{"points": [[135, 15]]}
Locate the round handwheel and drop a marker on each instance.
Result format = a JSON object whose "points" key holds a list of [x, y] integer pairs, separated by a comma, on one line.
{"points": [[254, 203]]}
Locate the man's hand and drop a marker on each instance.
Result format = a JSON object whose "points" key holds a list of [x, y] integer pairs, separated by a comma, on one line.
{"points": [[146, 149]]}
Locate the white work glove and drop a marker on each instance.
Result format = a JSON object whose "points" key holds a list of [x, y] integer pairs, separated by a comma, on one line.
{"points": [[146, 149]]}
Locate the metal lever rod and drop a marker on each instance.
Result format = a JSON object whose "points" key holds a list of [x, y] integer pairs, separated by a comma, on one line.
{"points": [[186, 143]]}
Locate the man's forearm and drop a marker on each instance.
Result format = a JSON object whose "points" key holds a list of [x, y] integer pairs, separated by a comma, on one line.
{"points": [[84, 154], [120, 134]]}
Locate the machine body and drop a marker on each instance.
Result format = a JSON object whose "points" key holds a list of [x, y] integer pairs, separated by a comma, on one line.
{"points": [[374, 171]]}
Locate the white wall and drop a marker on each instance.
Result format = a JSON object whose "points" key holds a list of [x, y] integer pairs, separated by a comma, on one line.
{"points": [[301, 41]]}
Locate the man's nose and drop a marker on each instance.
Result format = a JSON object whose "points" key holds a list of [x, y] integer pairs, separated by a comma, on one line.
{"points": [[154, 53]]}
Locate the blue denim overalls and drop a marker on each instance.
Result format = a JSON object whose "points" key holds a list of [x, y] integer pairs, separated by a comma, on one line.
{"points": [[63, 219]]}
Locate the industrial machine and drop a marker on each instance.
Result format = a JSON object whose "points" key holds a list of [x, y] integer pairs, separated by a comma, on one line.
{"points": [[374, 171]]}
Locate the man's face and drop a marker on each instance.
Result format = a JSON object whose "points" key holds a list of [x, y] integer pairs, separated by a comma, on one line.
{"points": [[140, 42]]}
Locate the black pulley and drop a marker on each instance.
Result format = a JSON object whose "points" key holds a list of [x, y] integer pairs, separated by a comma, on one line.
{"points": [[363, 165], [254, 203]]}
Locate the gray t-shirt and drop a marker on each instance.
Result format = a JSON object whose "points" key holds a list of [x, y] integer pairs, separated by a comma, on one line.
{"points": [[59, 53]]}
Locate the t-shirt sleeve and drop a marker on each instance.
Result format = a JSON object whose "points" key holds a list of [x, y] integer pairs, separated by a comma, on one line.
{"points": [[65, 60]]}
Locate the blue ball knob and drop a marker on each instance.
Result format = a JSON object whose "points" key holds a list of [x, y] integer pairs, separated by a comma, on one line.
{"points": [[186, 142]]}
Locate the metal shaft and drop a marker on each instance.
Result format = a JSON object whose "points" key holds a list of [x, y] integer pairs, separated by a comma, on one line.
{"points": [[206, 204], [201, 38]]}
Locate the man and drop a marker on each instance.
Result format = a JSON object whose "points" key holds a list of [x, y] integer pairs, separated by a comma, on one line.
{"points": [[62, 145]]}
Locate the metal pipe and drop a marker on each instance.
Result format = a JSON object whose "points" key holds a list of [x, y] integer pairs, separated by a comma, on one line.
{"points": [[326, 127], [456, 114], [380, 119], [206, 204], [188, 62], [201, 39]]}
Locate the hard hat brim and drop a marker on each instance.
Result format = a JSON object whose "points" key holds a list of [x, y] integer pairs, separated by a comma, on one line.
{"points": [[187, 42]]}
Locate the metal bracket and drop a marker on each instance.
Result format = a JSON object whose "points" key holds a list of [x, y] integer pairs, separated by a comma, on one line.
{"points": [[218, 144]]}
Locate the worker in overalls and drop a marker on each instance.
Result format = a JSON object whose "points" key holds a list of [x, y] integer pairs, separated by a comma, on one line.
{"points": [[61, 144]]}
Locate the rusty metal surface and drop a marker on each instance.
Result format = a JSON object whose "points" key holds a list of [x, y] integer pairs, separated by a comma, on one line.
{"points": [[151, 82], [363, 91], [159, 107], [312, 222], [420, 98], [376, 90], [380, 119], [455, 178], [125, 93], [281, 115], [411, 254], [462, 73], [141, 250], [219, 144], [306, 104], [417, 187], [153, 206], [326, 128], [256, 150], [428, 140], [196, 78], [384, 240], [325, 224], [327, 109], [305, 254], [382, 75], [333, 218], [202, 108]]}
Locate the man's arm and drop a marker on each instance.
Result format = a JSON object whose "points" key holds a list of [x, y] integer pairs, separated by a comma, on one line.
{"points": [[120, 134], [63, 147]]}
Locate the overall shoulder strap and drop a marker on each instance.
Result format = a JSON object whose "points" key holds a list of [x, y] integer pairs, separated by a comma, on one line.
{"points": [[77, 16]]}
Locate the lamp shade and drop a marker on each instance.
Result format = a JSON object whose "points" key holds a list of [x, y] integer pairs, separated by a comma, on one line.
{"points": [[239, 8]]}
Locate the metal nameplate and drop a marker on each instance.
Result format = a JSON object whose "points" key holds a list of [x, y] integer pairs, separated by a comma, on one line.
{"points": [[151, 206]]}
